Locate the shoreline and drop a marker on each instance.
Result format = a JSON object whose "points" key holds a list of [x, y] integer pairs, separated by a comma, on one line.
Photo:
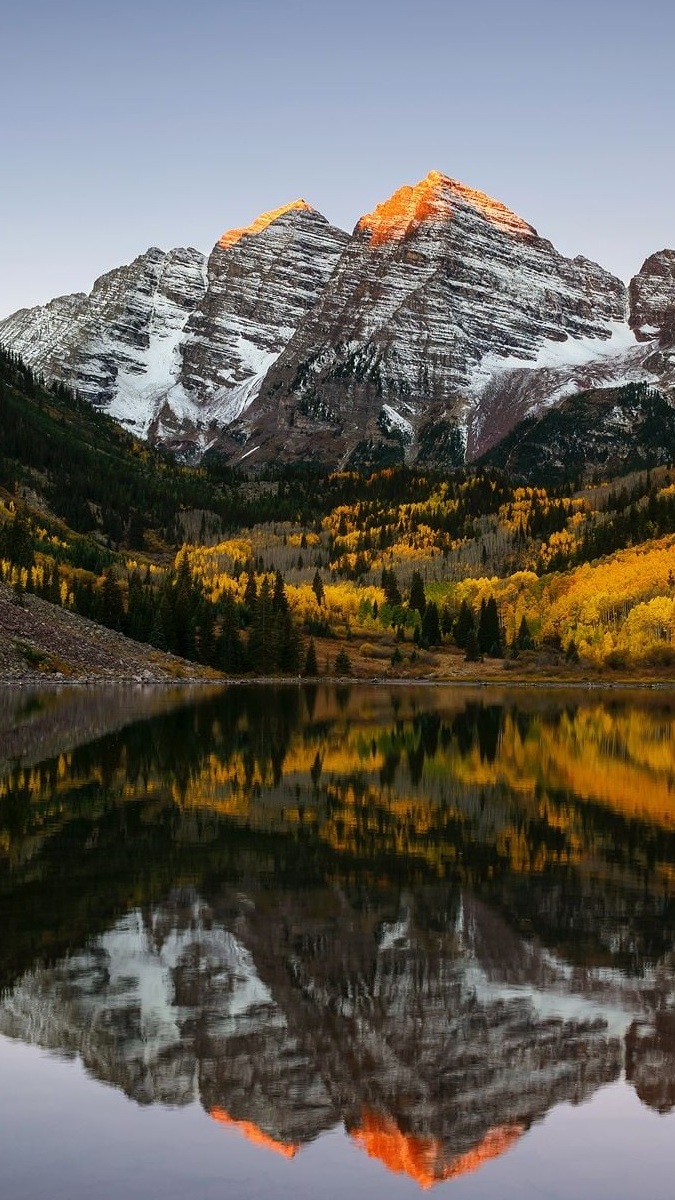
{"points": [[216, 682]]}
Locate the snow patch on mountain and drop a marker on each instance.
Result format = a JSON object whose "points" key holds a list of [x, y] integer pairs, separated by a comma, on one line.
{"points": [[559, 355]]}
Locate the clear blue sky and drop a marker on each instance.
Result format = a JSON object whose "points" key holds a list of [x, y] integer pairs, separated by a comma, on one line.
{"points": [[131, 124]]}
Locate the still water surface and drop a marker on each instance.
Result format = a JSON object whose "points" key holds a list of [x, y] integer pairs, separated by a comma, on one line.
{"points": [[283, 941]]}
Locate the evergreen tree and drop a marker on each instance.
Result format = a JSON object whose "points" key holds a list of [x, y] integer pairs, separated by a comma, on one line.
{"points": [[431, 627], [472, 649], [206, 635], [317, 587], [262, 653], [18, 540], [140, 609], [279, 599], [111, 601], [183, 599], [157, 636], [464, 626], [417, 600], [447, 620], [489, 629], [250, 595], [311, 668], [342, 665], [390, 588], [229, 648], [288, 643], [524, 637]]}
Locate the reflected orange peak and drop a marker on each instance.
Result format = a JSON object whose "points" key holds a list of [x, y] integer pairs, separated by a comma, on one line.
{"points": [[254, 1134], [423, 1158], [431, 200], [261, 222]]}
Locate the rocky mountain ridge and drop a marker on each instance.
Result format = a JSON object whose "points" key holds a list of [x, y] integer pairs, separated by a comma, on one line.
{"points": [[442, 321]]}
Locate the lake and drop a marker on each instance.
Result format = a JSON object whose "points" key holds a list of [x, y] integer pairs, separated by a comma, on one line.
{"points": [[286, 941]]}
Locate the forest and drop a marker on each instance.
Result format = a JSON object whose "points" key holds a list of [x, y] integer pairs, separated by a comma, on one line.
{"points": [[397, 572]]}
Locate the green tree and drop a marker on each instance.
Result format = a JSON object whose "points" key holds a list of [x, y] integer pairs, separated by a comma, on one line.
{"points": [[390, 588], [524, 637], [417, 600], [431, 626], [317, 586], [489, 629], [472, 649], [342, 665], [111, 601], [262, 650], [18, 540], [229, 648], [464, 626], [311, 668]]}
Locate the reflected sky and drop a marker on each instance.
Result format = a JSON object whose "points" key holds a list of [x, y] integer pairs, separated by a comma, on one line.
{"points": [[95, 1141], [280, 939]]}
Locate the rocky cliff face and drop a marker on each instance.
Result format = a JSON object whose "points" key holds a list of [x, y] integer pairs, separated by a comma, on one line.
{"points": [[652, 299], [652, 316], [440, 291], [426, 336], [118, 346], [262, 281]]}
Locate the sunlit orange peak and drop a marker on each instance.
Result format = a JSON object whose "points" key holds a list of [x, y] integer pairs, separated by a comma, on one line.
{"points": [[254, 1134], [423, 1158], [261, 222], [432, 200]]}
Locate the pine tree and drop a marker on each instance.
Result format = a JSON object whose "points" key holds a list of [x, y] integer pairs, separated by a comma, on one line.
{"points": [[464, 626], [311, 668], [489, 629], [288, 642], [279, 600], [262, 653], [250, 594], [317, 587], [229, 648], [110, 601], [157, 636], [524, 638], [206, 635], [342, 665], [431, 626], [390, 588], [19, 540], [417, 600], [473, 653]]}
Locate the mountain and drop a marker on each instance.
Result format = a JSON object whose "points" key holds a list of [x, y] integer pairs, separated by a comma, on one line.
{"points": [[117, 346], [261, 282], [425, 336], [172, 344], [439, 291]]}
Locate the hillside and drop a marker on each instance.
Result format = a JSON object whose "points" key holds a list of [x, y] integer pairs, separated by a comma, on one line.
{"points": [[607, 432], [395, 573], [44, 643], [86, 470]]}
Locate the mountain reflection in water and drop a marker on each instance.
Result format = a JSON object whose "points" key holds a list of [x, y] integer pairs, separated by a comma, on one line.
{"points": [[424, 916]]}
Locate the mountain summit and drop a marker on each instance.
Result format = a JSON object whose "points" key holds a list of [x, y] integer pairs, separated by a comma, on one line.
{"points": [[430, 201]]}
